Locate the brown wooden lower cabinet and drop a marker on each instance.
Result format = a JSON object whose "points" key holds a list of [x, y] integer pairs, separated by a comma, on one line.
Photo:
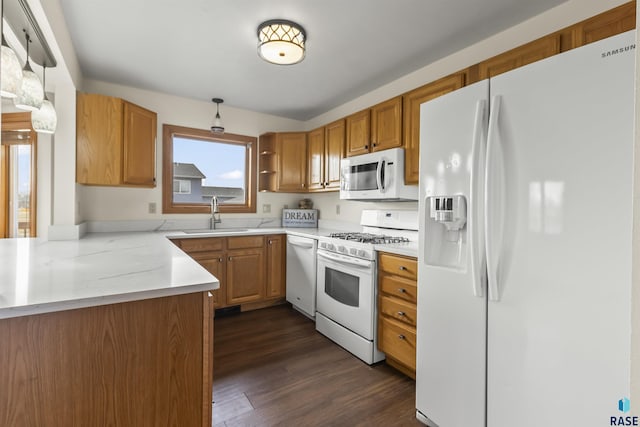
{"points": [[397, 312], [251, 269], [140, 363]]}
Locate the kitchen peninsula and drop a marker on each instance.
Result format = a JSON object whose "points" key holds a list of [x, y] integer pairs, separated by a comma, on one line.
{"points": [[112, 329]]}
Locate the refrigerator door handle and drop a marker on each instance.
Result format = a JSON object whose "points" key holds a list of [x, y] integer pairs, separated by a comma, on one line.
{"points": [[476, 231], [492, 255]]}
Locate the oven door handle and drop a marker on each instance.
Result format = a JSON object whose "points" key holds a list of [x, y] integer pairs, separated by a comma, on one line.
{"points": [[344, 260]]}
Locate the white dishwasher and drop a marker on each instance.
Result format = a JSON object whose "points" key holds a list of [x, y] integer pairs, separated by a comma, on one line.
{"points": [[301, 274]]}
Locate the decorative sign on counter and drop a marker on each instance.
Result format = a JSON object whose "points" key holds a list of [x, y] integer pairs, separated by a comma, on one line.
{"points": [[302, 218]]}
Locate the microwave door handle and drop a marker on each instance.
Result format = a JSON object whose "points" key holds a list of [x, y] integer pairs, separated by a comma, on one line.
{"points": [[380, 174]]}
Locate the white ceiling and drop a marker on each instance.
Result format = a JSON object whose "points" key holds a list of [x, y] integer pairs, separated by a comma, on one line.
{"points": [[207, 48]]}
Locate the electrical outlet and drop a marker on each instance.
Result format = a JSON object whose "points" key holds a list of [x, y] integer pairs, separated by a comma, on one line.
{"points": [[337, 209], [152, 207], [266, 208]]}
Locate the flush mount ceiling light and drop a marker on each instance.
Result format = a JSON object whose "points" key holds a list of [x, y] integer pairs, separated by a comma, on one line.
{"points": [[281, 42], [217, 123], [44, 120], [31, 93]]}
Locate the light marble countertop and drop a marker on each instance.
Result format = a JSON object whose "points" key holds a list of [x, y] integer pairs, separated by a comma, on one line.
{"points": [[39, 276]]}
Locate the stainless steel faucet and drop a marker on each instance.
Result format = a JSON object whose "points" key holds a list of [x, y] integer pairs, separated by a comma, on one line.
{"points": [[215, 213]]}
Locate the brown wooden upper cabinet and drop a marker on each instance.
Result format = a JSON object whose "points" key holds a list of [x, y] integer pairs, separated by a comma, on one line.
{"points": [[377, 128], [291, 151], [115, 141], [520, 56], [618, 20], [326, 148], [411, 119]]}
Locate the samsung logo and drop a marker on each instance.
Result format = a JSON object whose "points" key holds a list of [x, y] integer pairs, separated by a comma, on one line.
{"points": [[617, 51]]}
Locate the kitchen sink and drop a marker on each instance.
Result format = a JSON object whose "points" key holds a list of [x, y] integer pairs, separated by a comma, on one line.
{"points": [[220, 230]]}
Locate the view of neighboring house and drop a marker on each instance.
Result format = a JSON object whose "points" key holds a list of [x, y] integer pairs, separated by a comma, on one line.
{"points": [[188, 188]]}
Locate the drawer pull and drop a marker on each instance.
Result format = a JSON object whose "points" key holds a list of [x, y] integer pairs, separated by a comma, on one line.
{"points": [[403, 268], [220, 259], [230, 259], [401, 313], [402, 290], [401, 337]]}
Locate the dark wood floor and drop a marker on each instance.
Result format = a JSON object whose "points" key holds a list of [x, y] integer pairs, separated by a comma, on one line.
{"points": [[271, 368]]}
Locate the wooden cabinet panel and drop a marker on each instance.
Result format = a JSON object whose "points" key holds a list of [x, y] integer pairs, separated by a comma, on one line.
{"points": [[402, 311], [139, 166], [276, 259], [358, 133], [402, 266], [140, 363], [215, 263], [245, 242], [523, 55], [399, 287], [99, 126], [334, 142], [397, 341], [610, 23], [411, 119], [386, 124], [115, 142], [316, 150], [291, 148], [245, 276], [201, 244]]}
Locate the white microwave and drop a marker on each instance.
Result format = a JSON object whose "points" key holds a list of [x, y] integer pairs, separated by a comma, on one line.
{"points": [[376, 176]]}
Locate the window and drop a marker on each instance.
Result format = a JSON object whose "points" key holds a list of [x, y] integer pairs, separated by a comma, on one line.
{"points": [[181, 186], [18, 176], [198, 165]]}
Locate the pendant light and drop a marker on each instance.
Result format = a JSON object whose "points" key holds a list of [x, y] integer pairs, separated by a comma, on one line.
{"points": [[217, 123], [11, 72], [31, 94], [281, 42], [44, 120]]}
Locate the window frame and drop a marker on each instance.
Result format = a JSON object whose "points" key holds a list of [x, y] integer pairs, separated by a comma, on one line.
{"points": [[251, 160]]}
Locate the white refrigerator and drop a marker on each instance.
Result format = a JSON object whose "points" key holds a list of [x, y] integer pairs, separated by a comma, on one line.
{"points": [[525, 244]]}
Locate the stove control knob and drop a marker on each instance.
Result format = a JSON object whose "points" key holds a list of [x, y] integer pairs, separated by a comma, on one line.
{"points": [[353, 251], [330, 246], [342, 249], [362, 253]]}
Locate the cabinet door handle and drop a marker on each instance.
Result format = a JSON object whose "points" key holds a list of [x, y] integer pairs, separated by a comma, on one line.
{"points": [[366, 147], [230, 258], [326, 184], [220, 259], [270, 242], [403, 268], [401, 290], [401, 313], [401, 337], [375, 145], [302, 185]]}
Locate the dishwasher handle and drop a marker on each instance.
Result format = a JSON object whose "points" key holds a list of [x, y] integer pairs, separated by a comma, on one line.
{"points": [[301, 243]]}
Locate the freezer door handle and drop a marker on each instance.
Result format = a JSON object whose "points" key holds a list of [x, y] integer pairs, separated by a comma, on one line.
{"points": [[476, 224], [489, 187]]}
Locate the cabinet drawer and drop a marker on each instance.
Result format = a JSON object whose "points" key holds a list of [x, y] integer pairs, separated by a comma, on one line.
{"points": [[398, 287], [397, 341], [202, 244], [402, 311], [402, 266], [245, 242]]}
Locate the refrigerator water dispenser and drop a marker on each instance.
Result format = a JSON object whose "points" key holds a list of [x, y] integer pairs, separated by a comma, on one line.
{"points": [[446, 233]]}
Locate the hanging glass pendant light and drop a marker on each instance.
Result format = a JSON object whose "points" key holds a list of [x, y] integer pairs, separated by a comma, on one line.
{"points": [[31, 94], [11, 73], [44, 120], [217, 122]]}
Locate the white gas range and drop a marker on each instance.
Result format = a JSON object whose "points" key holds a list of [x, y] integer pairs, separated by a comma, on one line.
{"points": [[346, 279]]}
